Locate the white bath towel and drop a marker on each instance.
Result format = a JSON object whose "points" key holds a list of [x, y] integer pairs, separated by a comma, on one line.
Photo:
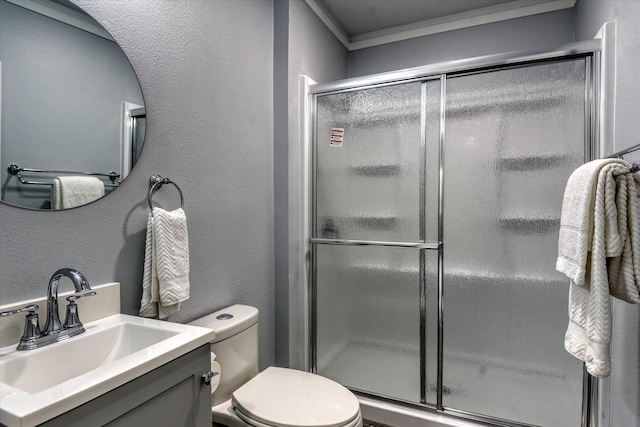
{"points": [[71, 191], [165, 282], [599, 219]]}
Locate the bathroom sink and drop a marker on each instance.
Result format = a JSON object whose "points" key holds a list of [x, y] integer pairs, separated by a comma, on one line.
{"points": [[37, 385], [34, 371]]}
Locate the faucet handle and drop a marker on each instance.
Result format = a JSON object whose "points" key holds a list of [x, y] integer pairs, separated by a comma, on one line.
{"points": [[30, 308], [31, 326], [77, 296], [73, 319]]}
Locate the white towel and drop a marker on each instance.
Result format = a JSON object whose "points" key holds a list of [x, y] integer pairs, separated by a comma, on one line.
{"points": [[165, 282], [71, 191], [576, 220], [599, 220]]}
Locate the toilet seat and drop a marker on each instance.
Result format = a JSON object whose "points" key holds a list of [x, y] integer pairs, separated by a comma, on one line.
{"points": [[281, 397]]}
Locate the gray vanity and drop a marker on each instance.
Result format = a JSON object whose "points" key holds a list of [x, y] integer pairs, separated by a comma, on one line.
{"points": [[171, 395], [122, 370]]}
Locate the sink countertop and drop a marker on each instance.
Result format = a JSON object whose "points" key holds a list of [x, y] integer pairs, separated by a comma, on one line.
{"points": [[20, 408]]}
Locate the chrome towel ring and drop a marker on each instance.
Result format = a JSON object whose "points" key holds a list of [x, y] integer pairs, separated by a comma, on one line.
{"points": [[155, 183]]}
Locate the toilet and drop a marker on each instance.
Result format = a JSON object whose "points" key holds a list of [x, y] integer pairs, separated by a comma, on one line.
{"points": [[276, 397]]}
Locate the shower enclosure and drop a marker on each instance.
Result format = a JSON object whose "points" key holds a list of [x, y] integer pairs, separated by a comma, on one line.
{"points": [[435, 213]]}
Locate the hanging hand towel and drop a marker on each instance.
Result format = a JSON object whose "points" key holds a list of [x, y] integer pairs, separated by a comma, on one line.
{"points": [[594, 226], [165, 282], [71, 191]]}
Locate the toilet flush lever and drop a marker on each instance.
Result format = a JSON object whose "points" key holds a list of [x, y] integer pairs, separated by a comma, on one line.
{"points": [[206, 378]]}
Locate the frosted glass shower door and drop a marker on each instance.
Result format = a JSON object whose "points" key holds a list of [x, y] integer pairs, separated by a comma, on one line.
{"points": [[514, 137], [368, 335], [370, 165], [368, 150]]}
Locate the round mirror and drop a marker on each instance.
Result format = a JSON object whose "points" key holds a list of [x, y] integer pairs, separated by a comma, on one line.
{"points": [[73, 116]]}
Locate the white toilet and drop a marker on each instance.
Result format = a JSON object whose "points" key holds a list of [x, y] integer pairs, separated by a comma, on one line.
{"points": [[275, 397]]}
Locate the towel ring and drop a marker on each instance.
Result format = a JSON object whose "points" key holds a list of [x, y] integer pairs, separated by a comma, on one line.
{"points": [[155, 182]]}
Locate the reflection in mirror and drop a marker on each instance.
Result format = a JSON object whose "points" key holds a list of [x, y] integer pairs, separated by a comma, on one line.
{"points": [[73, 116]]}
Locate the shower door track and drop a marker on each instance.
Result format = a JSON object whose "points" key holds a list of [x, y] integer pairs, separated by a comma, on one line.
{"points": [[345, 242], [461, 66], [593, 392]]}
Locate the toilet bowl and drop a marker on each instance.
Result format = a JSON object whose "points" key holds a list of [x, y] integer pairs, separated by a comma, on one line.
{"points": [[275, 397]]}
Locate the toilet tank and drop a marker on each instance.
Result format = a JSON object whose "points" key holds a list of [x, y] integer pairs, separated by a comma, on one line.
{"points": [[235, 347]]}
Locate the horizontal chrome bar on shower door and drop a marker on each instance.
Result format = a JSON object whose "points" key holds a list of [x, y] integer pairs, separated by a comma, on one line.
{"points": [[345, 242], [462, 65]]}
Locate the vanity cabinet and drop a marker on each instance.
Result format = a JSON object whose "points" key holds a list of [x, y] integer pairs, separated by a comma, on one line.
{"points": [[172, 395]]}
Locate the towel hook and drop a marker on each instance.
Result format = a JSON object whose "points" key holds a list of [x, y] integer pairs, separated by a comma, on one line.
{"points": [[155, 183]]}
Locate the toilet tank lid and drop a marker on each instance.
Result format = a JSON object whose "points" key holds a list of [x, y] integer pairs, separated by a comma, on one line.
{"points": [[229, 321]]}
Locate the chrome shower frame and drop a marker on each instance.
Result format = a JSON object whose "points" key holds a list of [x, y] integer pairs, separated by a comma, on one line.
{"points": [[595, 392]]}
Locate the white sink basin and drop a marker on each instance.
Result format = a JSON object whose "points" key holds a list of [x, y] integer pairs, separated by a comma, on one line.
{"points": [[34, 371], [37, 385]]}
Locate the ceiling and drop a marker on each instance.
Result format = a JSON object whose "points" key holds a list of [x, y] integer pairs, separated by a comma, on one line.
{"points": [[365, 23], [357, 17]]}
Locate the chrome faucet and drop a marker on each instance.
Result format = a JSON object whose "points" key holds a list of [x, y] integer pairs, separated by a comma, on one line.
{"points": [[81, 284], [54, 331]]}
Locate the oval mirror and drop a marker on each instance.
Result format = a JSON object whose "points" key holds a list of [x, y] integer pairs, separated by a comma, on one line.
{"points": [[73, 117]]}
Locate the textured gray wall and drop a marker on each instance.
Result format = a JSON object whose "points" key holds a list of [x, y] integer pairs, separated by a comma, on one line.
{"points": [[304, 46], [532, 32], [280, 178], [206, 70], [590, 15], [316, 53], [63, 90]]}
